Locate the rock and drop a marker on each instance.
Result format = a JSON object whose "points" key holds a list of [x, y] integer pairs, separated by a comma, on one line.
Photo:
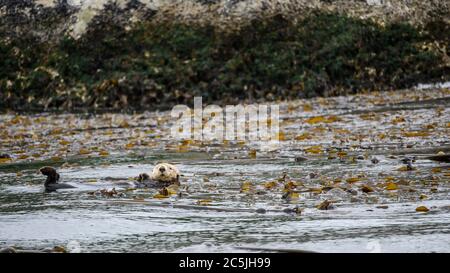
{"points": [[375, 160]]}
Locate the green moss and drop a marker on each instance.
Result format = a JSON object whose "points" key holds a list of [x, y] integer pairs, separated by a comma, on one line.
{"points": [[158, 65]]}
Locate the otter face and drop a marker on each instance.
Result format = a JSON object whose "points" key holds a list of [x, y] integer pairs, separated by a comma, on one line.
{"points": [[52, 175], [165, 172]]}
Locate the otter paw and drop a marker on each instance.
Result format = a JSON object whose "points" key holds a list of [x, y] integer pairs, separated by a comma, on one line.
{"points": [[143, 177]]}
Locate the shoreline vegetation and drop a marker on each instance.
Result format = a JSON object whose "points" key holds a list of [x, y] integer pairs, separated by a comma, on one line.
{"points": [[131, 56]]}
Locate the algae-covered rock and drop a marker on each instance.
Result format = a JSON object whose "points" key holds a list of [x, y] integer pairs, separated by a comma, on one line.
{"points": [[132, 54]]}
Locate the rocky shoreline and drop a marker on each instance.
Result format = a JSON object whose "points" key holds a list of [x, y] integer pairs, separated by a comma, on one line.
{"points": [[73, 16], [155, 54]]}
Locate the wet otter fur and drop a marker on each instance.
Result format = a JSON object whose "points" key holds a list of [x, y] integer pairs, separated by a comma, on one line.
{"points": [[51, 183], [163, 175]]}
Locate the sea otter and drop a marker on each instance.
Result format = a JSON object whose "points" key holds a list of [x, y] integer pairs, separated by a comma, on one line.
{"points": [[163, 174], [51, 183]]}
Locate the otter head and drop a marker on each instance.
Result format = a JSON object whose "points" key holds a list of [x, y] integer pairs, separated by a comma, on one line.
{"points": [[52, 175], [165, 172]]}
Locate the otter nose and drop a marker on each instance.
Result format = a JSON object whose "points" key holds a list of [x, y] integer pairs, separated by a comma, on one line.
{"points": [[162, 169]]}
